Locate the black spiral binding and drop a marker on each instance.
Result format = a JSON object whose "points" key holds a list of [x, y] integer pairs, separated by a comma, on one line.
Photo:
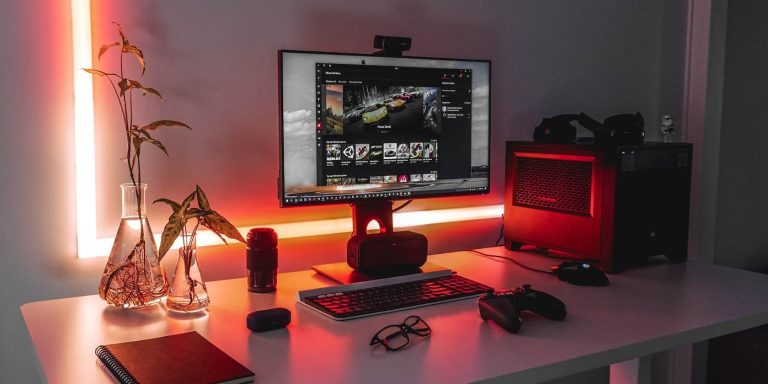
{"points": [[114, 366]]}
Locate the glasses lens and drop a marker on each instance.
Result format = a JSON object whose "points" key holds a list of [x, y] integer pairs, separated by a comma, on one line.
{"points": [[393, 337], [417, 326]]}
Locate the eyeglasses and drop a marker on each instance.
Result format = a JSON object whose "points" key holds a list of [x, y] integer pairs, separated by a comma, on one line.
{"points": [[395, 337]]}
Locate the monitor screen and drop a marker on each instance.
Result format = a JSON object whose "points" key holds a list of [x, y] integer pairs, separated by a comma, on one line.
{"points": [[361, 127]]}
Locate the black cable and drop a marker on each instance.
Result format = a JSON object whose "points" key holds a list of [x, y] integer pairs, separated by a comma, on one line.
{"points": [[521, 265], [401, 206], [546, 252], [501, 232]]}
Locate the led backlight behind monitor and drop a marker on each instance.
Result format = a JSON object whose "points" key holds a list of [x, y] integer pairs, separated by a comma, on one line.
{"points": [[358, 128]]}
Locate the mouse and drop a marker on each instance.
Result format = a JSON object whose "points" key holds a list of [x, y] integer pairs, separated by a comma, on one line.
{"points": [[580, 273]]}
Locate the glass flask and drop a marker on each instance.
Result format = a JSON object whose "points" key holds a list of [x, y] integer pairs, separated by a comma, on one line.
{"points": [[133, 276], [188, 292]]}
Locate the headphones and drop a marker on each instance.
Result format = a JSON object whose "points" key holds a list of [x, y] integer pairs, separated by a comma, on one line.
{"points": [[623, 129]]}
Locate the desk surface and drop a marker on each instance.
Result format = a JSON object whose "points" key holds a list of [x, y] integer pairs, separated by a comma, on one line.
{"points": [[644, 311]]}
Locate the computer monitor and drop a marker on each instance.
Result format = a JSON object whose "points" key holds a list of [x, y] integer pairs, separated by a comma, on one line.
{"points": [[361, 129], [366, 130]]}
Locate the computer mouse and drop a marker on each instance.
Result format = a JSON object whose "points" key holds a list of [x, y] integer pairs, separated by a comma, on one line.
{"points": [[580, 273]]}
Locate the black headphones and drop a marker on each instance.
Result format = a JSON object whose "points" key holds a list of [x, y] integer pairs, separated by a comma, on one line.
{"points": [[623, 129]]}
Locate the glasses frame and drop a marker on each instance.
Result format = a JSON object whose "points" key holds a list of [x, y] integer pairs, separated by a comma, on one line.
{"points": [[403, 329]]}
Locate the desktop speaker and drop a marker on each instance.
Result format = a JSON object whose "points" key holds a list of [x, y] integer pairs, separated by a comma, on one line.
{"points": [[383, 253], [616, 206]]}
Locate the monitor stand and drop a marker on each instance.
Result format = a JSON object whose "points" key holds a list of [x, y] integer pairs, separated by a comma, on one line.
{"points": [[344, 274], [363, 213]]}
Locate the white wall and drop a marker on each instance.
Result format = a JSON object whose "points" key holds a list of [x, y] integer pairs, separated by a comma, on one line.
{"points": [[215, 63], [742, 205]]}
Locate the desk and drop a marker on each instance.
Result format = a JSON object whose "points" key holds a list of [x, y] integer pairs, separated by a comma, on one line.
{"points": [[644, 311]]}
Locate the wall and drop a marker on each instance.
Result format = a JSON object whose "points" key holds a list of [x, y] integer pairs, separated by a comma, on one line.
{"points": [[215, 63], [741, 239], [738, 236]]}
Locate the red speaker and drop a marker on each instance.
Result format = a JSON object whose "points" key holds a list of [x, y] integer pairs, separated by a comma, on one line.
{"points": [[615, 206]]}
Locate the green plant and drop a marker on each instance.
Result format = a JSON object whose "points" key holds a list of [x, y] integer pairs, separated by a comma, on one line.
{"points": [[177, 224], [207, 217], [122, 283], [123, 88]]}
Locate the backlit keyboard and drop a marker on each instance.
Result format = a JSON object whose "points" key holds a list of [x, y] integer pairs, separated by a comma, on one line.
{"points": [[368, 298]]}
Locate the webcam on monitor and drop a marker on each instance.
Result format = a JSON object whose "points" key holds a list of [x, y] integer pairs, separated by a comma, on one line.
{"points": [[392, 46]]}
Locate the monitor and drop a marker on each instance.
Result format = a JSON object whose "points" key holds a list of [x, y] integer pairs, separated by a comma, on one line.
{"points": [[362, 128]]}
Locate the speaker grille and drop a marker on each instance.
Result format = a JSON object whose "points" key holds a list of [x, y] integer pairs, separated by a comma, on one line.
{"points": [[560, 185]]}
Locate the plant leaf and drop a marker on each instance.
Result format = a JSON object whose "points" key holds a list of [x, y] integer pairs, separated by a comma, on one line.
{"points": [[218, 224], [215, 233], [120, 30], [129, 48], [125, 84], [185, 204], [106, 47], [95, 71], [156, 143], [174, 205], [153, 91], [171, 231], [196, 212], [137, 144], [164, 123], [202, 200], [175, 224]]}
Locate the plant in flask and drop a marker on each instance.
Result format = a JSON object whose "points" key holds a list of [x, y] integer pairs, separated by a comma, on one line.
{"points": [[133, 276], [188, 292]]}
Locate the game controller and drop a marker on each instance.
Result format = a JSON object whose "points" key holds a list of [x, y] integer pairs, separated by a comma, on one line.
{"points": [[504, 307]]}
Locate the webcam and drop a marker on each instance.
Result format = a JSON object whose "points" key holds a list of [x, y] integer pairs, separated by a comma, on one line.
{"points": [[391, 45]]}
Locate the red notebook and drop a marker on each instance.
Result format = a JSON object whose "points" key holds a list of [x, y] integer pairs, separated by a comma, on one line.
{"points": [[183, 358]]}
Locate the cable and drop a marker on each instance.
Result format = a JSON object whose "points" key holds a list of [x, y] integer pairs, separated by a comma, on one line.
{"points": [[521, 265], [401, 206], [551, 254]]}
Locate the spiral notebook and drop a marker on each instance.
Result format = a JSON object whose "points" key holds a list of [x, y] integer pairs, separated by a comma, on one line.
{"points": [[183, 358]]}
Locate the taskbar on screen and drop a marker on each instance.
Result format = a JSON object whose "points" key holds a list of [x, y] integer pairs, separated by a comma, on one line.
{"points": [[326, 197]]}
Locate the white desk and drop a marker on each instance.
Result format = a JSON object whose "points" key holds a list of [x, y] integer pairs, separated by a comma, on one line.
{"points": [[644, 311]]}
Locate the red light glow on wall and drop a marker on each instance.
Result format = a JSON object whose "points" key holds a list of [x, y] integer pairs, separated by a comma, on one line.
{"points": [[90, 245]]}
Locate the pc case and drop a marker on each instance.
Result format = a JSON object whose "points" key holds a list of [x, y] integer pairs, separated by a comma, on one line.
{"points": [[616, 206]]}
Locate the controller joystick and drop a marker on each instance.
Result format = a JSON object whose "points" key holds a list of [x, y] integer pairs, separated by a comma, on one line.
{"points": [[504, 307]]}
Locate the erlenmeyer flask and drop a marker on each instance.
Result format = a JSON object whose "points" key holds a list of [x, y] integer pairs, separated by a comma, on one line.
{"points": [[187, 292], [133, 276]]}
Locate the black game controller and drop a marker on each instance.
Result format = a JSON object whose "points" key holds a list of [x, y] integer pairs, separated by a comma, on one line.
{"points": [[504, 307]]}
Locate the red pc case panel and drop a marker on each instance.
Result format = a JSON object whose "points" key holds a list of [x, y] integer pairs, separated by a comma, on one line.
{"points": [[617, 206], [560, 197]]}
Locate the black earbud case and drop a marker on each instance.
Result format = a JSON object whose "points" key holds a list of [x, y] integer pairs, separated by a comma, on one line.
{"points": [[268, 319]]}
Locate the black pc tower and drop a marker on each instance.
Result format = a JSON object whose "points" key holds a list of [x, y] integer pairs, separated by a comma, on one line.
{"points": [[616, 206]]}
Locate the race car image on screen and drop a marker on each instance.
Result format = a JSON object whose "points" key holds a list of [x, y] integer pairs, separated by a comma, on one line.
{"points": [[354, 115], [374, 114], [394, 105], [406, 112], [406, 97]]}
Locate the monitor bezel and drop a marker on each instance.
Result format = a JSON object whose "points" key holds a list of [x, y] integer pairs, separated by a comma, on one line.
{"points": [[281, 178]]}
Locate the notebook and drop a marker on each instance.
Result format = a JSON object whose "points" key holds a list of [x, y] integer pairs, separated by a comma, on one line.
{"points": [[183, 358]]}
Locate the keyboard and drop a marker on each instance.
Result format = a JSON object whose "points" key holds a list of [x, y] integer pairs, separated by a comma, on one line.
{"points": [[351, 301]]}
